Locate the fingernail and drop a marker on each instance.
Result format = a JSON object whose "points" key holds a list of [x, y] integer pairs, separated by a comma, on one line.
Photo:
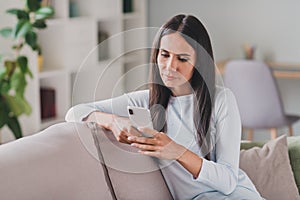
{"points": [[130, 138]]}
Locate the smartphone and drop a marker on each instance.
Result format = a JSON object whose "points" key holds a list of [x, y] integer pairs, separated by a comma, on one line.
{"points": [[140, 117]]}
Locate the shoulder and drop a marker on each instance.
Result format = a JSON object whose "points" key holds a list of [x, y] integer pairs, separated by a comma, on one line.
{"points": [[224, 99], [223, 94], [138, 98]]}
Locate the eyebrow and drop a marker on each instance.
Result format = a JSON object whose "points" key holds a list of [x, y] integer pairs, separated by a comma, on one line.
{"points": [[181, 54]]}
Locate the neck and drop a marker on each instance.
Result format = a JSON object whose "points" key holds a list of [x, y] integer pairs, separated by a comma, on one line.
{"points": [[182, 90]]}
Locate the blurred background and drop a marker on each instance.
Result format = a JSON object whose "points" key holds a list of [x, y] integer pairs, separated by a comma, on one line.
{"points": [[75, 70]]}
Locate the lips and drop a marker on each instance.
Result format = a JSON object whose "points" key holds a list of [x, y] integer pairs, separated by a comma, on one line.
{"points": [[169, 77]]}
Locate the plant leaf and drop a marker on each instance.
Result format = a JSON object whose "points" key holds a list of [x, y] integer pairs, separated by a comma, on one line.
{"points": [[31, 39], [18, 105], [13, 11], [10, 67], [12, 122], [33, 5], [2, 73], [4, 87], [15, 127], [14, 108], [14, 105], [23, 63], [6, 32], [4, 84], [22, 28], [18, 82], [21, 14], [3, 112], [44, 12], [26, 106], [38, 49], [39, 24]]}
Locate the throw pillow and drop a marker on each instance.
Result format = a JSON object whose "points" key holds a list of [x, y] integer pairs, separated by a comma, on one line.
{"points": [[130, 174], [270, 170]]}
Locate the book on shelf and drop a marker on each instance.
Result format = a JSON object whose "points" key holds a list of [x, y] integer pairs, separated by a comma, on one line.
{"points": [[48, 106]]}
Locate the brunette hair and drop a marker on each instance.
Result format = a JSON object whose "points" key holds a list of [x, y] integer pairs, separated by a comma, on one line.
{"points": [[202, 80]]}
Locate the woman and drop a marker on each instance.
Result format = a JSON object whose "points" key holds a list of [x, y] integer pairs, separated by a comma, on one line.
{"points": [[196, 124]]}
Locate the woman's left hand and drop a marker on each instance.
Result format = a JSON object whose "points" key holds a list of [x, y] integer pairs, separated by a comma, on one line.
{"points": [[160, 145]]}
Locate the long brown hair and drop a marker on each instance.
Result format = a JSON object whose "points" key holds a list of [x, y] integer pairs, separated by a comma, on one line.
{"points": [[202, 81]]}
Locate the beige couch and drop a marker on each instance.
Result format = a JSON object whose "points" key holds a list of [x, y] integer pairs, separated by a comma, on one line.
{"points": [[61, 162]]}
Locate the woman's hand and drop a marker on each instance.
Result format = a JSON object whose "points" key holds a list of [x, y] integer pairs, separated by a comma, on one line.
{"points": [[120, 126], [119, 130], [160, 146]]}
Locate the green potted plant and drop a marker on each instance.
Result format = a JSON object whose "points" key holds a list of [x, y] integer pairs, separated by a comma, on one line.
{"points": [[14, 71]]}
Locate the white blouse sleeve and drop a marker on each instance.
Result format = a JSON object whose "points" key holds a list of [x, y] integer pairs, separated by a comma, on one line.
{"points": [[116, 106], [222, 174]]}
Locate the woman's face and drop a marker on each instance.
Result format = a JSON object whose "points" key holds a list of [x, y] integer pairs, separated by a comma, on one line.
{"points": [[176, 60]]}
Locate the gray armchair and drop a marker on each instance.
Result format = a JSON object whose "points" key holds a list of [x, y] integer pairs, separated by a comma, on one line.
{"points": [[257, 96]]}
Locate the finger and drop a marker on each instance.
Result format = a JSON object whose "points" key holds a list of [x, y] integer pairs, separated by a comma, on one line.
{"points": [[124, 129], [134, 132], [124, 139], [150, 153], [124, 133], [148, 130], [142, 140], [145, 147]]}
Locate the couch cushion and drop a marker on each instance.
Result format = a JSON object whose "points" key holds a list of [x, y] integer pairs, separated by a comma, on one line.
{"points": [[270, 170], [132, 175]]}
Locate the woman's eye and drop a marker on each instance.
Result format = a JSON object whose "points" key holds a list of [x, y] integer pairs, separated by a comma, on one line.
{"points": [[183, 59], [164, 55]]}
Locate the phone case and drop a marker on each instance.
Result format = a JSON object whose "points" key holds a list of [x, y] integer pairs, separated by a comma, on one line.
{"points": [[140, 117]]}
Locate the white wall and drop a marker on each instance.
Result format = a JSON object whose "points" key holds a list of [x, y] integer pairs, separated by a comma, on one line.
{"points": [[6, 20], [271, 25]]}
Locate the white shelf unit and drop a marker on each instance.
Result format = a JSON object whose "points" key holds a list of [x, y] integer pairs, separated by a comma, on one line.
{"points": [[71, 65], [70, 45], [60, 81], [135, 46]]}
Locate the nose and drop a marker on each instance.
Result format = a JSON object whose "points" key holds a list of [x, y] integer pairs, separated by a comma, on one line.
{"points": [[172, 64]]}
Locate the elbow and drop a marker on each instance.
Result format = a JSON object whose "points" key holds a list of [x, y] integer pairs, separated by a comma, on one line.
{"points": [[78, 113], [70, 115], [230, 187], [231, 184]]}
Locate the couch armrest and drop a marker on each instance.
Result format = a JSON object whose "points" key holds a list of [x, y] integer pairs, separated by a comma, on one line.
{"points": [[53, 164]]}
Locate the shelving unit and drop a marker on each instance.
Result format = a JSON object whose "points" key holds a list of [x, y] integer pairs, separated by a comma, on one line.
{"points": [[135, 46], [72, 65]]}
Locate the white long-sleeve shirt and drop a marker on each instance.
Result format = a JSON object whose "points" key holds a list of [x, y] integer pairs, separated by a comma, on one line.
{"points": [[219, 176]]}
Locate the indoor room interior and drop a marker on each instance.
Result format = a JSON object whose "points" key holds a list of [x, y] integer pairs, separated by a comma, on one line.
{"points": [[231, 26], [98, 49]]}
